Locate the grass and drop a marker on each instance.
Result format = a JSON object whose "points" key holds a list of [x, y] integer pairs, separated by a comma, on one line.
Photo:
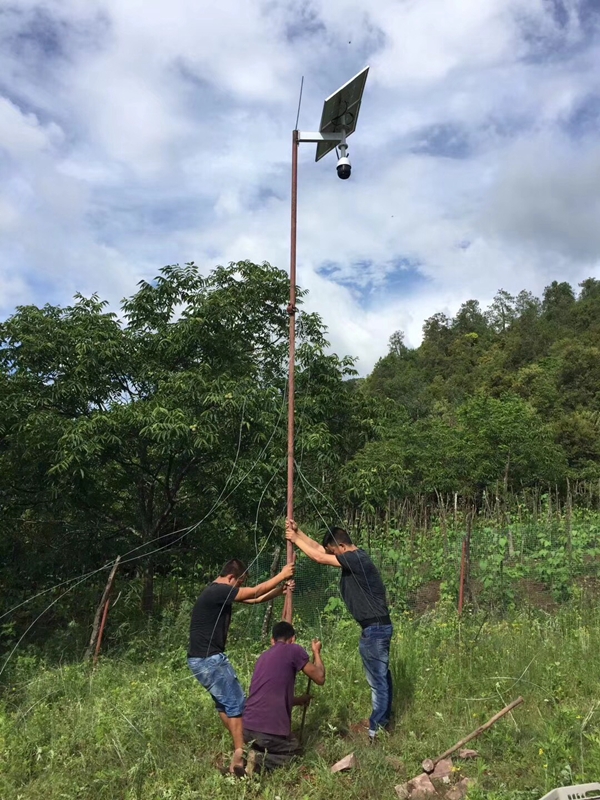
{"points": [[139, 726]]}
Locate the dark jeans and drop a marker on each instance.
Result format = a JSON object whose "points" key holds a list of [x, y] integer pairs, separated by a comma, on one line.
{"points": [[374, 649], [271, 751]]}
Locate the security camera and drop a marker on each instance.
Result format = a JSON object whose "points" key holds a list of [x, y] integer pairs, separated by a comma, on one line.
{"points": [[344, 168]]}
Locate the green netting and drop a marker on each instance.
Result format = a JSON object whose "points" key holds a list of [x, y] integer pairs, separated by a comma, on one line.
{"points": [[315, 585]]}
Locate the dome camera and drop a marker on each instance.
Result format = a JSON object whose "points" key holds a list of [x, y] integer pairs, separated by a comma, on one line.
{"points": [[344, 168]]}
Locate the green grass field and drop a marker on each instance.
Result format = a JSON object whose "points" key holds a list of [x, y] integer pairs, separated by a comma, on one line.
{"points": [[139, 726]]}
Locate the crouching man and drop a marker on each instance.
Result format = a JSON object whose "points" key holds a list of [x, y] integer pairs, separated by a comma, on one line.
{"points": [[267, 719]]}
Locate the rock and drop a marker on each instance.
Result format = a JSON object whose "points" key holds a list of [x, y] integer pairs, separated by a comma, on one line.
{"points": [[348, 762], [460, 790], [402, 791], [442, 769], [428, 766], [468, 754], [421, 788]]}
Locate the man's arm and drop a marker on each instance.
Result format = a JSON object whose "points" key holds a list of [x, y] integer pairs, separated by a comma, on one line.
{"points": [[302, 700], [288, 586], [306, 538], [308, 546], [276, 592], [316, 670], [252, 592]]}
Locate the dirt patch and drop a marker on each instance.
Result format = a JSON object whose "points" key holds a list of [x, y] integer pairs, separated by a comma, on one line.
{"points": [[358, 729], [426, 597], [589, 584], [537, 595]]}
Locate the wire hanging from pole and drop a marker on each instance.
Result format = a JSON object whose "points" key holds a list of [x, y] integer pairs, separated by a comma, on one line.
{"points": [[299, 104]]}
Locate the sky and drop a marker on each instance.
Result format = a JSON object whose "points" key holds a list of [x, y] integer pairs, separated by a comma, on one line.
{"points": [[140, 133]]}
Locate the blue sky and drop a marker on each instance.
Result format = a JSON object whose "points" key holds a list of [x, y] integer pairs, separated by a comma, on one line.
{"points": [[141, 133]]}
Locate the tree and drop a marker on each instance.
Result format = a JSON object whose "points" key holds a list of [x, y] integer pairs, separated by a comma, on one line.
{"points": [[470, 319], [505, 441], [140, 426], [502, 312], [558, 301]]}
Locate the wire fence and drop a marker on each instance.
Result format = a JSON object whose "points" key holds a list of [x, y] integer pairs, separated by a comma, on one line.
{"points": [[460, 561], [475, 564]]}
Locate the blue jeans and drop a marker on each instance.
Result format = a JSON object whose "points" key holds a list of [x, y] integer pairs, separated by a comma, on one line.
{"points": [[374, 649], [218, 677]]}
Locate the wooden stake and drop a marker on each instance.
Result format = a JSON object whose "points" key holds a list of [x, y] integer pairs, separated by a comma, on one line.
{"points": [[101, 631], [304, 712], [428, 765], [101, 611]]}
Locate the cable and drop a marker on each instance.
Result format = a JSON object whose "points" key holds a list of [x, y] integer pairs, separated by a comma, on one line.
{"points": [[186, 530], [214, 507], [299, 104], [300, 426], [39, 616], [305, 479], [367, 598], [248, 568], [270, 481]]}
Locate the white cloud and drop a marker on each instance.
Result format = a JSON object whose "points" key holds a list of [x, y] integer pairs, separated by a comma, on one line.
{"points": [[143, 133], [21, 134]]}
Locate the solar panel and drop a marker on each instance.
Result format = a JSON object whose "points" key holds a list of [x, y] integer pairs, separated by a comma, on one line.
{"points": [[340, 111]]}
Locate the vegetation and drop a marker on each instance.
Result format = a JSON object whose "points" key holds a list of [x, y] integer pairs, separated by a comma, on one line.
{"points": [[119, 434], [159, 435], [507, 397], [140, 727]]}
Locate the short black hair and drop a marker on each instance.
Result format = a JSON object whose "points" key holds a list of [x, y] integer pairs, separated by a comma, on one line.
{"points": [[234, 567], [283, 631], [335, 537]]}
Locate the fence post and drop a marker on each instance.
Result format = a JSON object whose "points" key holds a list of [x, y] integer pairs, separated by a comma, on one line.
{"points": [[101, 613], [464, 562], [568, 513], [461, 588]]}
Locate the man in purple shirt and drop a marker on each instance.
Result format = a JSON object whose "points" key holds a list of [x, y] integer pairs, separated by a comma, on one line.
{"points": [[267, 716]]}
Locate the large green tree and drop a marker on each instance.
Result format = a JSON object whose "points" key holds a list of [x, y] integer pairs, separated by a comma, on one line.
{"points": [[128, 428]]}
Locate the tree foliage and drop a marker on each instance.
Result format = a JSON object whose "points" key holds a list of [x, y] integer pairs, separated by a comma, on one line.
{"points": [[159, 433], [503, 397], [120, 432]]}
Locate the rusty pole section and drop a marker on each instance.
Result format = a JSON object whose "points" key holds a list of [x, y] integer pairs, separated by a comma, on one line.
{"points": [[288, 604]]}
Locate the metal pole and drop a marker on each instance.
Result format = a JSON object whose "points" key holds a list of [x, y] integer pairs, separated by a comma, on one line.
{"points": [[288, 604]]}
